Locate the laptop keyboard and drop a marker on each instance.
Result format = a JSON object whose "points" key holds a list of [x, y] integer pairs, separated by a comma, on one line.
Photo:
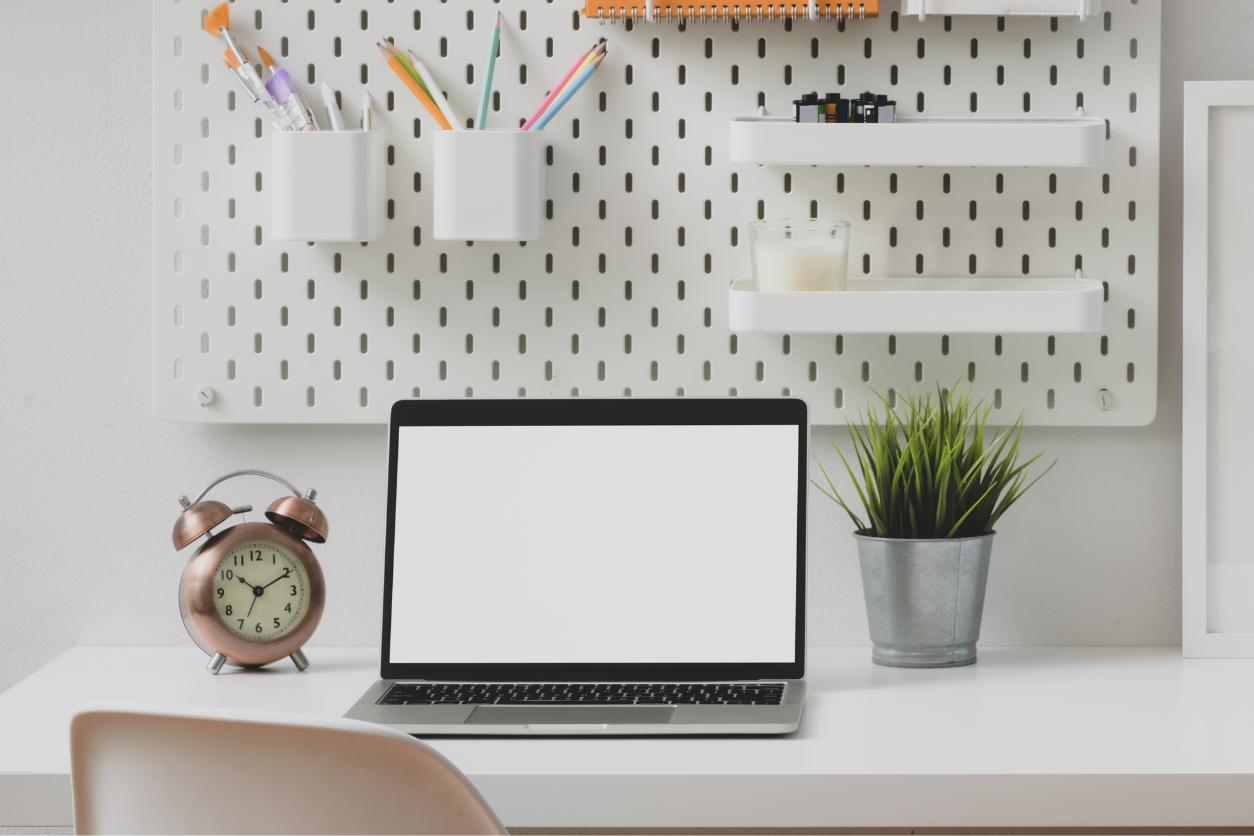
{"points": [[403, 693]]}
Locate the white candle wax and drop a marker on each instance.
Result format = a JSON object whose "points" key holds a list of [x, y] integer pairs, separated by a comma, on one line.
{"points": [[801, 264]]}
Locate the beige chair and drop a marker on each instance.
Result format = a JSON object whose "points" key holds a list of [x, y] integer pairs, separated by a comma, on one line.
{"points": [[153, 769]]}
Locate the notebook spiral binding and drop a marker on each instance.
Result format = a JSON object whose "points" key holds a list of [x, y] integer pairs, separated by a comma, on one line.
{"points": [[649, 11]]}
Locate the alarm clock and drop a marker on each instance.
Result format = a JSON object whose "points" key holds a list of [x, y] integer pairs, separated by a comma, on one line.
{"points": [[252, 593]]}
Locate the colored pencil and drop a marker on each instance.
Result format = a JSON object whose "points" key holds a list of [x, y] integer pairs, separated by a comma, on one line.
{"points": [[390, 51], [418, 92], [557, 90], [599, 49], [566, 96], [493, 45], [437, 94]]}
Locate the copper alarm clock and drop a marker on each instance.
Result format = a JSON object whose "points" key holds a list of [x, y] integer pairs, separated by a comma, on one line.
{"points": [[254, 592]]}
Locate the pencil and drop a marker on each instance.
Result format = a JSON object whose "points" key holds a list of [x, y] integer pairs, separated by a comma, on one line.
{"points": [[495, 42], [419, 93], [568, 93], [437, 94], [389, 51], [599, 49], [557, 90]]}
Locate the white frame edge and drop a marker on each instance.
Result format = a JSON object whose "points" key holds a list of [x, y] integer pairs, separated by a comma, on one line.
{"points": [[1199, 98]]}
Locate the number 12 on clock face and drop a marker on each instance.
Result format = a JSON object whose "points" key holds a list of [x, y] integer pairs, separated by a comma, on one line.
{"points": [[254, 556]]}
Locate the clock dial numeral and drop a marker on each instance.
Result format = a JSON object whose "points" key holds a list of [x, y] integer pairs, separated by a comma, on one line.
{"points": [[259, 594], [253, 556]]}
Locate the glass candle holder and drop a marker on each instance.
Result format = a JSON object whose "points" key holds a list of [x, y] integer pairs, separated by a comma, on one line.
{"points": [[799, 255]]}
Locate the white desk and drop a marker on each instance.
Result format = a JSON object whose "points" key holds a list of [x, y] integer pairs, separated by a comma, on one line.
{"points": [[1024, 738]]}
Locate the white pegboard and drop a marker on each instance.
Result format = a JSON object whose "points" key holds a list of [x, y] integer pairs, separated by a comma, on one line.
{"points": [[292, 333]]}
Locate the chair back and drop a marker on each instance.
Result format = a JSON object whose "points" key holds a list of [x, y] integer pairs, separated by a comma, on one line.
{"points": [[153, 769]]}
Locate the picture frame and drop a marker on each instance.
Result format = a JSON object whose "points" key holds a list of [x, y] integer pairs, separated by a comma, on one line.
{"points": [[1217, 561]]}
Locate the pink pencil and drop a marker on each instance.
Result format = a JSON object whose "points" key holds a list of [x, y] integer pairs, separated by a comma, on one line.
{"points": [[553, 94]]}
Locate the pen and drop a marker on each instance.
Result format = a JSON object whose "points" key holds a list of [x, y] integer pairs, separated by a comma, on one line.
{"points": [[333, 110], [367, 112], [493, 44]]}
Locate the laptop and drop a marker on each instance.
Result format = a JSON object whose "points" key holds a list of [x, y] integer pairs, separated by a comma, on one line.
{"points": [[594, 567]]}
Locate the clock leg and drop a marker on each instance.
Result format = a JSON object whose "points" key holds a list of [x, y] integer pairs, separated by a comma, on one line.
{"points": [[216, 663], [300, 660]]}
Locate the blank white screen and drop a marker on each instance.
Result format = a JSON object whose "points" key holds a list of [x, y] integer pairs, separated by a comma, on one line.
{"points": [[595, 544]]}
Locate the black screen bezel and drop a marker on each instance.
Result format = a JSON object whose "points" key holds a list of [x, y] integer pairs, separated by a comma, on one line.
{"points": [[599, 412]]}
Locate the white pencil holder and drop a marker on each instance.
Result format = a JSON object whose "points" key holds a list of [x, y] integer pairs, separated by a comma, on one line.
{"points": [[327, 185], [489, 185]]}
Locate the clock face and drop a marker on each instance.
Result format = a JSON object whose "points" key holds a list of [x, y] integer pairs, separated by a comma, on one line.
{"points": [[260, 590]]}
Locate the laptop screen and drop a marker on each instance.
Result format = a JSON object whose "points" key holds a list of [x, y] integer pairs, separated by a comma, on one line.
{"points": [[524, 544]]}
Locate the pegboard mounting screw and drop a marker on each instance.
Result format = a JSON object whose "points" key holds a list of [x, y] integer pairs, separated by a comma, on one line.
{"points": [[1104, 399], [205, 395]]}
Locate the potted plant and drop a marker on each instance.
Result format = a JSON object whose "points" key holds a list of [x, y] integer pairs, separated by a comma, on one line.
{"points": [[933, 484]]}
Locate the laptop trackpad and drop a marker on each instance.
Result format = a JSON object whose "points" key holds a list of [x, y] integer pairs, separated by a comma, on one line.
{"points": [[557, 715]]}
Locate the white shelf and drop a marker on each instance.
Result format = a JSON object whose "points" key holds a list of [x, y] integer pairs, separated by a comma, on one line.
{"points": [[923, 306], [1069, 142], [1048, 8]]}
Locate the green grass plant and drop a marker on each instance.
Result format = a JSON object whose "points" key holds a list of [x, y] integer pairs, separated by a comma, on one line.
{"points": [[929, 470]]}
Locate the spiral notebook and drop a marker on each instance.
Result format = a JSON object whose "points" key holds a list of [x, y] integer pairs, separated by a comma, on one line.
{"points": [[661, 11]]}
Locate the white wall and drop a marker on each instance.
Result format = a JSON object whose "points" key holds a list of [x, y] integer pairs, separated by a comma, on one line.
{"points": [[89, 478]]}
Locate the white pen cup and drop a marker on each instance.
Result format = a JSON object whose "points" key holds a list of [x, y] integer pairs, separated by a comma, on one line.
{"points": [[799, 255], [327, 185], [489, 186]]}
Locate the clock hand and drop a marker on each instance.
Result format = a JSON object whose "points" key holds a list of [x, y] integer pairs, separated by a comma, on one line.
{"points": [[257, 590], [287, 573], [256, 593]]}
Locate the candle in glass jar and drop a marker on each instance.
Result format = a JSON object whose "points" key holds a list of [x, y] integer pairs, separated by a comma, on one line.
{"points": [[809, 255], [804, 264]]}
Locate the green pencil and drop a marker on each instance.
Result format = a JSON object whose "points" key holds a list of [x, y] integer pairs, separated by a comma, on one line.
{"points": [[481, 122], [411, 69]]}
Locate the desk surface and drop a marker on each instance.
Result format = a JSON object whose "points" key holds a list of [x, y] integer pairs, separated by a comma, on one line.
{"points": [[1038, 737]]}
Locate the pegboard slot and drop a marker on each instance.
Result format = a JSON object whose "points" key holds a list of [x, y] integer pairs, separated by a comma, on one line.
{"points": [[923, 306], [915, 141]]}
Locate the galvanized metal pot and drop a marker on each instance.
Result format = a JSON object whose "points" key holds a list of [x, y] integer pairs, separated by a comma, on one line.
{"points": [[924, 599]]}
